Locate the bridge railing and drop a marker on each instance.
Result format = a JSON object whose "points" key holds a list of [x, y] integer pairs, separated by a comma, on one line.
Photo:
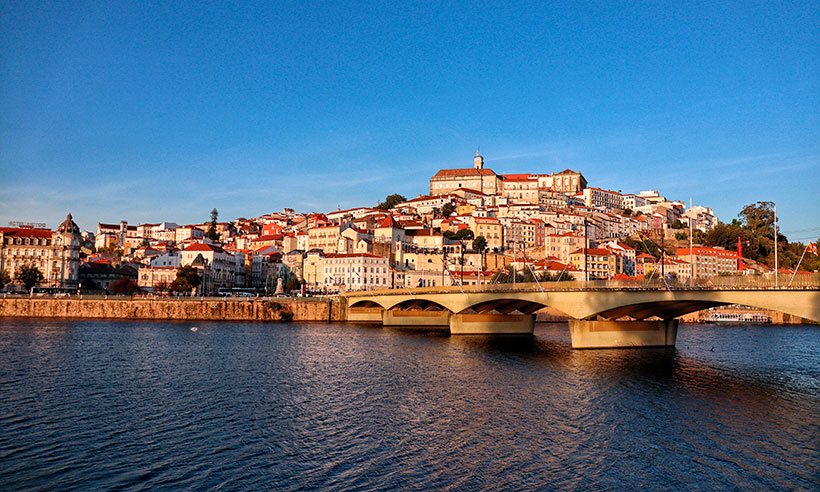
{"points": [[735, 282]]}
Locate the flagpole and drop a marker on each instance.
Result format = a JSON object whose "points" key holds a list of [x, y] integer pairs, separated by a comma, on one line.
{"points": [[691, 252], [798, 264], [775, 247]]}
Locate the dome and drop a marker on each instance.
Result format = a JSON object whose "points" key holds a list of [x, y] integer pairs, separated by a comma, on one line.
{"points": [[68, 226]]}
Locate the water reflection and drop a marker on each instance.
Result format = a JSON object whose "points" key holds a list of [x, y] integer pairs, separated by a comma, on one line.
{"points": [[338, 407]]}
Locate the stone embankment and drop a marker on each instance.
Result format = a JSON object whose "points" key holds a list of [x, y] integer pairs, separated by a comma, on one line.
{"points": [[210, 309]]}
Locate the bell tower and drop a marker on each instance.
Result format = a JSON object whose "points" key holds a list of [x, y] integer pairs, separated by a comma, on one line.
{"points": [[478, 161]]}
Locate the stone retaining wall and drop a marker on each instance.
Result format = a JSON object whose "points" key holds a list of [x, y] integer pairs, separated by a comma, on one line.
{"points": [[170, 309]]}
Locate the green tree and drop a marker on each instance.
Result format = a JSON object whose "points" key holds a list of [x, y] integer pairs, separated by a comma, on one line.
{"points": [[88, 284], [123, 285], [643, 246], [677, 224], [480, 244], [758, 218], [461, 234], [212, 235], [29, 275], [187, 279], [293, 284], [680, 236], [391, 201], [161, 286], [5, 278], [447, 209]]}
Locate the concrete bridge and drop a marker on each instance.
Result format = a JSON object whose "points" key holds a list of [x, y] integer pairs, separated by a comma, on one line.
{"points": [[603, 316]]}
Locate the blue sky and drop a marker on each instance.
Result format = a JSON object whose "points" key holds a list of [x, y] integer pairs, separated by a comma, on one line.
{"points": [[162, 111]]}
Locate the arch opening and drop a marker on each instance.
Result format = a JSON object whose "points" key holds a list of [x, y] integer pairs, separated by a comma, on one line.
{"points": [[661, 309], [365, 304], [505, 306], [418, 305]]}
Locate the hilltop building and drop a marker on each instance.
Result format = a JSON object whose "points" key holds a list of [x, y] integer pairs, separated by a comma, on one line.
{"points": [[476, 178]]}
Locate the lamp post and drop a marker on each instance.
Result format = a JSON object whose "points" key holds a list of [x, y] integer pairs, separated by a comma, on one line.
{"points": [[775, 247]]}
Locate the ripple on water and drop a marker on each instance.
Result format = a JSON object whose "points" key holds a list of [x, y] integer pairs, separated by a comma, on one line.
{"points": [[135, 405]]}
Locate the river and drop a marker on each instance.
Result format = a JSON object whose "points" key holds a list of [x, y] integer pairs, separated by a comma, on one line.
{"points": [[92, 405]]}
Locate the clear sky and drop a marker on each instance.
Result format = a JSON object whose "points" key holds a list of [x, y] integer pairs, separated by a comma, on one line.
{"points": [[151, 111]]}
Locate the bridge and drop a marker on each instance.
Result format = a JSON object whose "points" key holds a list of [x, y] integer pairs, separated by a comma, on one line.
{"points": [[603, 314]]}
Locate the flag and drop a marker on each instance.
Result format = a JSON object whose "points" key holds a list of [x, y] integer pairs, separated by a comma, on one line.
{"points": [[813, 248], [505, 271]]}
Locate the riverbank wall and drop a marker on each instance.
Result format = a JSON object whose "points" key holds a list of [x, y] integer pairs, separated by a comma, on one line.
{"points": [[195, 309]]}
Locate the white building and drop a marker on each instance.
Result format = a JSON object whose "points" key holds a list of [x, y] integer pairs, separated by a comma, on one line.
{"points": [[355, 271]]}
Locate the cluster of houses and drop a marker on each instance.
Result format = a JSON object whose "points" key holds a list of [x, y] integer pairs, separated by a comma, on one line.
{"points": [[473, 224]]}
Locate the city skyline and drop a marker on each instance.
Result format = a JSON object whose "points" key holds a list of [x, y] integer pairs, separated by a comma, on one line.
{"points": [[120, 112]]}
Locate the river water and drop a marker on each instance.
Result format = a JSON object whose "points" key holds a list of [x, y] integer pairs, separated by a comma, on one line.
{"points": [[89, 405]]}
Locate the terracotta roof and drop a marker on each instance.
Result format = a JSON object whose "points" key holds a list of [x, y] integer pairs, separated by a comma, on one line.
{"points": [[518, 177], [352, 255], [593, 251], [388, 222], [470, 171], [204, 247], [25, 232]]}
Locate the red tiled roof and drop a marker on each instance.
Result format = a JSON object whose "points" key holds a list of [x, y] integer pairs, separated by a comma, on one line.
{"points": [[470, 171], [518, 177], [593, 251], [204, 247], [352, 255], [26, 232], [388, 222]]}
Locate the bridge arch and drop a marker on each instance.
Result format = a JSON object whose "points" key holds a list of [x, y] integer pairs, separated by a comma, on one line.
{"points": [[366, 303], [671, 304], [419, 303], [661, 309], [506, 306]]}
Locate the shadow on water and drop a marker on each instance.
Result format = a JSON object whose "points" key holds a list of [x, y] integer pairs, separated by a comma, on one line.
{"points": [[550, 347]]}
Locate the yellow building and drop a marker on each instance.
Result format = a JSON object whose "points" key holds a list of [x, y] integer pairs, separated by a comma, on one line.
{"points": [[490, 228], [465, 208], [600, 263], [324, 237]]}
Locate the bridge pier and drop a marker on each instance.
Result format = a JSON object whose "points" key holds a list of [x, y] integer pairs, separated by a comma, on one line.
{"points": [[622, 334], [492, 324], [400, 317]]}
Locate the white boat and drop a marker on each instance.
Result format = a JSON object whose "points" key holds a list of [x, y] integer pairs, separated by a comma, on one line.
{"points": [[738, 318]]}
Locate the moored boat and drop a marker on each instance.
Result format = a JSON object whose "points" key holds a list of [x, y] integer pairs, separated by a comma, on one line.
{"points": [[738, 318]]}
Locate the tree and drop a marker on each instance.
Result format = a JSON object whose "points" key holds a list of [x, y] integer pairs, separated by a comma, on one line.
{"points": [[677, 224], [293, 284], [187, 279], [88, 284], [461, 234], [161, 286], [5, 278], [391, 201], [681, 236], [212, 235], [480, 244], [447, 209], [643, 246], [758, 218], [29, 275], [123, 285]]}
